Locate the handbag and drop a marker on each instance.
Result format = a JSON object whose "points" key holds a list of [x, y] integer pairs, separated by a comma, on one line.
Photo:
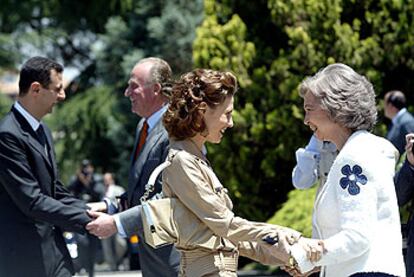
{"points": [[167, 221], [156, 213]]}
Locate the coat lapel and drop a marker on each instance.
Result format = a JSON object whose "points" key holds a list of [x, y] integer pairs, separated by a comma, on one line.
{"points": [[137, 166], [31, 136], [51, 153]]}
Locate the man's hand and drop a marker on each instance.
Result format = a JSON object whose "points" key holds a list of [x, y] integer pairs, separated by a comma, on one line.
{"points": [[97, 206], [103, 225], [409, 138]]}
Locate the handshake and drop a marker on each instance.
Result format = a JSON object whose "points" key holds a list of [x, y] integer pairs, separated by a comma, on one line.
{"points": [[297, 253], [279, 245], [103, 223]]}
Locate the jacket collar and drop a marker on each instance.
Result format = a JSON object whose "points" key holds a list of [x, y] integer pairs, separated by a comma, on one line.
{"points": [[34, 123], [30, 134], [398, 116], [189, 146]]}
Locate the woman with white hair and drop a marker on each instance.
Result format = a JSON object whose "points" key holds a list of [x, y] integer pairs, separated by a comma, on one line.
{"points": [[356, 213]]}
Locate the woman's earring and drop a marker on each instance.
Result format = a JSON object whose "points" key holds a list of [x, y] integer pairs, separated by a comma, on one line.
{"points": [[205, 132]]}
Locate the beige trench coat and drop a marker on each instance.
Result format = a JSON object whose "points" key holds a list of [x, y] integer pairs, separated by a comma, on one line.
{"points": [[191, 181]]}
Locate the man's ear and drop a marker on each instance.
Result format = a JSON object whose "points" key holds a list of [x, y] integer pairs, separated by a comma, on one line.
{"points": [[157, 88], [35, 87]]}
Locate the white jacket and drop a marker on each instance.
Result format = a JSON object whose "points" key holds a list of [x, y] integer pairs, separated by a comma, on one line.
{"points": [[356, 213]]}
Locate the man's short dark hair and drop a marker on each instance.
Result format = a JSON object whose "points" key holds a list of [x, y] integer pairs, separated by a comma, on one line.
{"points": [[37, 69], [396, 98]]}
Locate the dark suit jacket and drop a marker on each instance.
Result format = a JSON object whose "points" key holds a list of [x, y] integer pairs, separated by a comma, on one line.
{"points": [[154, 262], [404, 186], [397, 132], [34, 205]]}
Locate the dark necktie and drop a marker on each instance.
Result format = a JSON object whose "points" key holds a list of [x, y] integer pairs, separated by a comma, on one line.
{"points": [[41, 135], [141, 141]]}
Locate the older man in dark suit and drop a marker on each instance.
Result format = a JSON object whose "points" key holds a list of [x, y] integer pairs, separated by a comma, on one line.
{"points": [[402, 122], [148, 86], [34, 205]]}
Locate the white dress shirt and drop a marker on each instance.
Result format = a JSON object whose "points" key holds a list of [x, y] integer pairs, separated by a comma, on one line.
{"points": [[34, 123]]}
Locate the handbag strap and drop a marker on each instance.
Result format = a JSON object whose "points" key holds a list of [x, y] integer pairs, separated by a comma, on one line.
{"points": [[150, 186]]}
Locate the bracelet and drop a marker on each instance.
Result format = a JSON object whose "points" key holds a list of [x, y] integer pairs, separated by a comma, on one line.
{"points": [[292, 261]]}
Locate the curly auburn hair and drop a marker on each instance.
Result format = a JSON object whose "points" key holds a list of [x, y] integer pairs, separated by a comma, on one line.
{"points": [[185, 115]]}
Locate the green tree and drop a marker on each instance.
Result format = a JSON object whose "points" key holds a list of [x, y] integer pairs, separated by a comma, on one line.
{"points": [[164, 29], [89, 126], [5, 104], [60, 29]]}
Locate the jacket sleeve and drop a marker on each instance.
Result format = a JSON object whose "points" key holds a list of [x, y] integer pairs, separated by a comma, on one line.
{"points": [[66, 197], [305, 173], [404, 184], [131, 221], [24, 190], [190, 183], [259, 253]]}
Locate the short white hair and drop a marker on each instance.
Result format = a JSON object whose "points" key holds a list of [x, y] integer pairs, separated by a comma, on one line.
{"points": [[347, 96]]}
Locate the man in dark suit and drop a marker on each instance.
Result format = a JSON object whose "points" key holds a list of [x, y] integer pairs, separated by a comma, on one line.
{"points": [[34, 205], [404, 186], [149, 83], [402, 120]]}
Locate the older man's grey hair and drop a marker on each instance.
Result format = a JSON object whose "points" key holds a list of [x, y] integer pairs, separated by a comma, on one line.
{"points": [[160, 73], [347, 96]]}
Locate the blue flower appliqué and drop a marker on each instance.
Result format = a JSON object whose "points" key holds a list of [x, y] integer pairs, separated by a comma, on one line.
{"points": [[352, 178]]}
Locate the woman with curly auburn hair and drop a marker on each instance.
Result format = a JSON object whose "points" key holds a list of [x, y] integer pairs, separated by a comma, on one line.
{"points": [[200, 111], [355, 214], [192, 95]]}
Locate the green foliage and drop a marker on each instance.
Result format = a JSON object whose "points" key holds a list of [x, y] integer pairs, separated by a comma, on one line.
{"points": [[5, 104], [256, 158], [173, 32], [89, 125], [164, 29], [111, 49], [8, 55], [63, 29], [224, 47], [296, 212]]}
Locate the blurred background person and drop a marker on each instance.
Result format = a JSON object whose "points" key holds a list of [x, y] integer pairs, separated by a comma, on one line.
{"points": [[114, 247], [112, 190], [402, 122], [87, 185]]}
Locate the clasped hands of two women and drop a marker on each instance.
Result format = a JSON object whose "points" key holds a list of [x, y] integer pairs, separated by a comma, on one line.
{"points": [[282, 249]]}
